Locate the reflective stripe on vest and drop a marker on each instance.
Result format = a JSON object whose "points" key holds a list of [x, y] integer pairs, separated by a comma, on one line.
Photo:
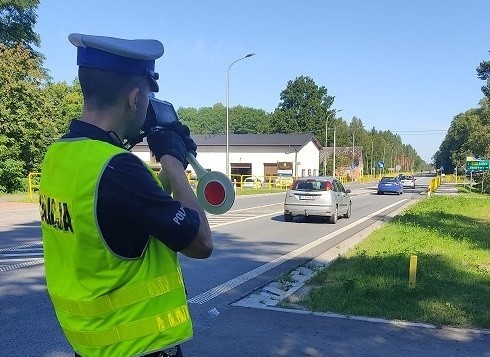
{"points": [[120, 298], [128, 331]]}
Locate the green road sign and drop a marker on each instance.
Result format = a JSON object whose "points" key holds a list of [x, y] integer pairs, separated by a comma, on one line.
{"points": [[480, 165]]}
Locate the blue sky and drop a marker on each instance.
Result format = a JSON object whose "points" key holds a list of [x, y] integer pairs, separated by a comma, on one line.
{"points": [[396, 65]]}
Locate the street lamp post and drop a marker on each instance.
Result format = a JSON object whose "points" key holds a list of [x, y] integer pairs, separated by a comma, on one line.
{"points": [[295, 173], [228, 112], [334, 143], [353, 132], [372, 158], [353, 164], [392, 162], [384, 159], [326, 142]]}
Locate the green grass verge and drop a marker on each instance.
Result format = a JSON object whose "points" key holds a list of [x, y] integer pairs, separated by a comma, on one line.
{"points": [[450, 235]]}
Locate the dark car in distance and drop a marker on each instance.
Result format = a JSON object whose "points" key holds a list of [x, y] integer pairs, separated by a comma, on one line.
{"points": [[389, 184]]}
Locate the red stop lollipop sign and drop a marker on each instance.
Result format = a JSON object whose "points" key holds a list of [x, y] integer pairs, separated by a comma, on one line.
{"points": [[214, 190]]}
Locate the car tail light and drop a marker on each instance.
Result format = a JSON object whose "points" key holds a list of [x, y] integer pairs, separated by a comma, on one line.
{"points": [[292, 185]]}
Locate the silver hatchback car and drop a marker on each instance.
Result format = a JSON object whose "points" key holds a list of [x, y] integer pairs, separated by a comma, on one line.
{"points": [[322, 196]]}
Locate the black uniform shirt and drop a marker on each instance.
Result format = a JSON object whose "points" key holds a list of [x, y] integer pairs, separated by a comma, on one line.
{"points": [[131, 206]]}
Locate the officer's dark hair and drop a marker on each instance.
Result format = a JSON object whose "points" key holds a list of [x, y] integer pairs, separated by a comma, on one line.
{"points": [[102, 89]]}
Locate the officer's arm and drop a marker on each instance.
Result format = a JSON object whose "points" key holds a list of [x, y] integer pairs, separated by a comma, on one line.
{"points": [[173, 174]]}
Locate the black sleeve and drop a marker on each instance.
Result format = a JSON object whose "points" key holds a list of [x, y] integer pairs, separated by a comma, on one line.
{"points": [[131, 206]]}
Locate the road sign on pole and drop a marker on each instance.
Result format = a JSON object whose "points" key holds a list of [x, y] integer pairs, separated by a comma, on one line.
{"points": [[478, 165]]}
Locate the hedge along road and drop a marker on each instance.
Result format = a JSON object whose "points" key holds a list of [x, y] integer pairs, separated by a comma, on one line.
{"points": [[253, 245]]}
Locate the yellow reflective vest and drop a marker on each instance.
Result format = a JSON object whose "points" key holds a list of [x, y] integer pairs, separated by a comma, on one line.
{"points": [[107, 305]]}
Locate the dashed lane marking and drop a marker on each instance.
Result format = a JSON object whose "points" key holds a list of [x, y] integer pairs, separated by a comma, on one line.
{"points": [[21, 256]]}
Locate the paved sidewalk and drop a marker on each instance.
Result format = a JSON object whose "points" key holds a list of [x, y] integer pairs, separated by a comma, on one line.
{"points": [[447, 189]]}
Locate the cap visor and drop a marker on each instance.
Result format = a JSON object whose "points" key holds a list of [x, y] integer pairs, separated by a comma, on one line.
{"points": [[153, 85]]}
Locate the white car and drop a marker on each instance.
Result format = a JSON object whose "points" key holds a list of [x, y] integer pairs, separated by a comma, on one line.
{"points": [[317, 196], [251, 182], [407, 181]]}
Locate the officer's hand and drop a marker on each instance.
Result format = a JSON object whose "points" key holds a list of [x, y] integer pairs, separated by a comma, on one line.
{"points": [[183, 131], [167, 142]]}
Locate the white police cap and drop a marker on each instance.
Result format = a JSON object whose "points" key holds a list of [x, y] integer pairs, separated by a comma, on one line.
{"points": [[118, 55]]}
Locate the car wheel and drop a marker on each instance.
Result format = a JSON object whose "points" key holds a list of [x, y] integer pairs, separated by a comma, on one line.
{"points": [[288, 218], [333, 218], [349, 211]]}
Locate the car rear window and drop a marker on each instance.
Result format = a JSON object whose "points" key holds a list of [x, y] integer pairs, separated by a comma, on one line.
{"points": [[388, 179], [310, 185]]}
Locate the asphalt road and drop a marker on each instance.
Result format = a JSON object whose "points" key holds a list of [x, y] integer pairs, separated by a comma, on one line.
{"points": [[253, 246]]}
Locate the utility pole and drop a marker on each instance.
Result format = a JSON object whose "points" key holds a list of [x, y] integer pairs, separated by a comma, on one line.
{"points": [[334, 143]]}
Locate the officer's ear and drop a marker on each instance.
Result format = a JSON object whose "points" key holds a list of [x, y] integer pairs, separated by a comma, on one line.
{"points": [[133, 98]]}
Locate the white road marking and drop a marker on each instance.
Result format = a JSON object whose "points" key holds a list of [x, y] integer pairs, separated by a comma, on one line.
{"points": [[245, 219], [21, 256], [230, 284], [21, 265], [256, 207]]}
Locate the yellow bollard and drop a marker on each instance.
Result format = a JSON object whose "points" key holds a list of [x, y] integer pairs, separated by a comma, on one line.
{"points": [[413, 272]]}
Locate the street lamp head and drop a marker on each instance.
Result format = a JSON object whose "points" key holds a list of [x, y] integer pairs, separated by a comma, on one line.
{"points": [[227, 111], [333, 112]]}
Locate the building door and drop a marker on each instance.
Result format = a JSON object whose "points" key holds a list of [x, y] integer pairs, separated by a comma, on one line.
{"points": [[270, 171], [240, 169]]}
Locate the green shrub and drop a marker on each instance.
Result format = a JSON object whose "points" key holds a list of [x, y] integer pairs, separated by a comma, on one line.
{"points": [[12, 178]]}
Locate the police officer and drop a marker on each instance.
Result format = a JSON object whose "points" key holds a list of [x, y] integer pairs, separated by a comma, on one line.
{"points": [[110, 232]]}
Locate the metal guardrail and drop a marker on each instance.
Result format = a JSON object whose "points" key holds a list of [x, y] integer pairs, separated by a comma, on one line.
{"points": [[433, 185], [262, 183], [268, 182]]}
